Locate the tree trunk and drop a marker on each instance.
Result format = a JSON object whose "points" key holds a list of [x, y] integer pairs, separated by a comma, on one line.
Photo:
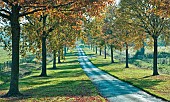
{"points": [[96, 49], [44, 49], [54, 59], [15, 30], [142, 50], [62, 54], [127, 56], [44, 69], [59, 61], [111, 47], [155, 69], [105, 52], [65, 50], [91, 46], [100, 51]]}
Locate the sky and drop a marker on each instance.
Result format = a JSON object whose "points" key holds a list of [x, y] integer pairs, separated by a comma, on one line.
{"points": [[117, 2]]}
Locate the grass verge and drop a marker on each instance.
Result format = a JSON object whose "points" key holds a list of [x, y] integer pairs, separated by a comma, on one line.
{"points": [[139, 77], [67, 83]]}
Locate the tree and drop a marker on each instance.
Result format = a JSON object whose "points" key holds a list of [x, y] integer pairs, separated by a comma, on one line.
{"points": [[107, 29], [39, 26], [119, 23], [92, 32], [152, 24]]}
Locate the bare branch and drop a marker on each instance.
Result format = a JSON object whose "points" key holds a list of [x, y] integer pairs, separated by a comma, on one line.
{"points": [[31, 12], [50, 30], [41, 8], [61, 5], [4, 16], [29, 20], [5, 11], [6, 1]]}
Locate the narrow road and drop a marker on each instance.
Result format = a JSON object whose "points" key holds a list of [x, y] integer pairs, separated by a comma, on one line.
{"points": [[110, 87]]}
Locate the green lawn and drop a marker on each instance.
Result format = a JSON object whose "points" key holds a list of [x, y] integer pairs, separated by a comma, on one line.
{"points": [[67, 83], [147, 60], [25, 68], [140, 77], [4, 56]]}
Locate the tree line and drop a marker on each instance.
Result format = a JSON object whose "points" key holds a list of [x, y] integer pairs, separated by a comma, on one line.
{"points": [[132, 23], [34, 24]]}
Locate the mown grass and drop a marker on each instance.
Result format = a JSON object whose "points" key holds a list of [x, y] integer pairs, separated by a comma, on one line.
{"points": [[26, 65], [139, 77], [4, 56], [67, 83], [146, 61]]}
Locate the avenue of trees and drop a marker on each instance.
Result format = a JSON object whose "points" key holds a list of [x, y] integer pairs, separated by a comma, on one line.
{"points": [[43, 20], [41, 26], [132, 23]]}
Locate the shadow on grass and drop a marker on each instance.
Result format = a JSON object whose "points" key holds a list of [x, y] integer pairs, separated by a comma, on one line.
{"points": [[147, 76], [160, 55], [43, 77], [91, 55], [5, 76], [63, 89], [4, 86], [68, 74], [40, 87], [72, 61], [34, 82], [144, 83], [65, 67], [102, 65], [72, 54], [28, 65]]}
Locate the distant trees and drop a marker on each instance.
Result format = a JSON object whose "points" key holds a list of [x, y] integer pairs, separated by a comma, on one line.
{"points": [[109, 34]]}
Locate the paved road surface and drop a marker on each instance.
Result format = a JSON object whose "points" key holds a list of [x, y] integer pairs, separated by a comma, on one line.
{"points": [[111, 88]]}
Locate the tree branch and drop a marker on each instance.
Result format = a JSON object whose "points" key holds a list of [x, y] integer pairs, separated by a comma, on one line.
{"points": [[4, 16], [31, 12], [6, 1], [5, 11], [29, 20], [50, 30], [41, 8]]}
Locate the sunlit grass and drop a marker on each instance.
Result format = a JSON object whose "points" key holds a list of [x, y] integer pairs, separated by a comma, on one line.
{"points": [[147, 60], [67, 83], [4, 56], [140, 77]]}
